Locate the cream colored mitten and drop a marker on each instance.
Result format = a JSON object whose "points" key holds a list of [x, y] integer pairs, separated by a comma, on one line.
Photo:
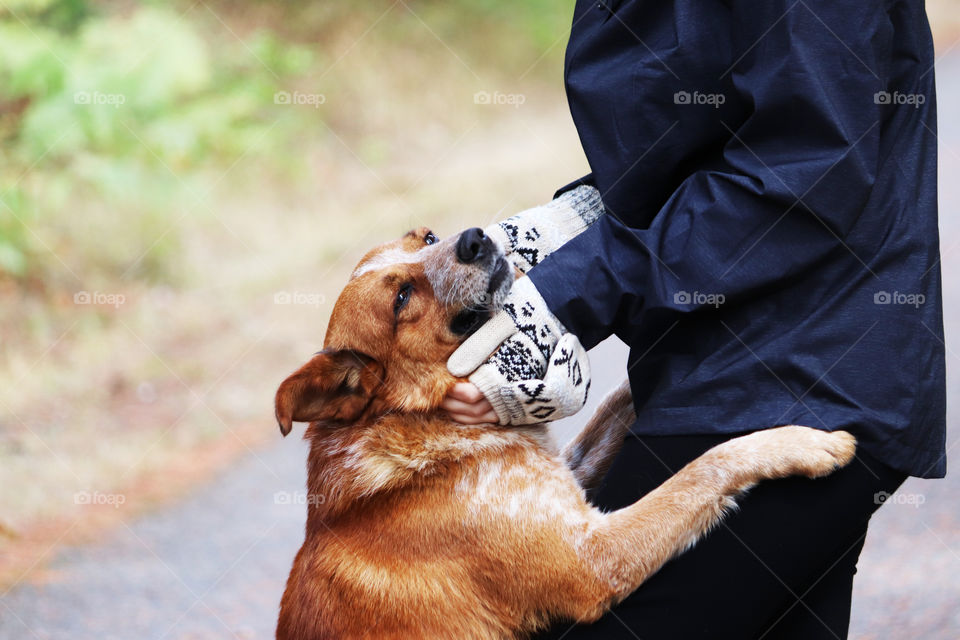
{"points": [[524, 362], [530, 236]]}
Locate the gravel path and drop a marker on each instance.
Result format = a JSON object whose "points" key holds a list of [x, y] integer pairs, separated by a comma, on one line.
{"points": [[214, 565]]}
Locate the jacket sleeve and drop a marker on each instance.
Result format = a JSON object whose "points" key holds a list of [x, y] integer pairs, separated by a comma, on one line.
{"points": [[794, 174]]}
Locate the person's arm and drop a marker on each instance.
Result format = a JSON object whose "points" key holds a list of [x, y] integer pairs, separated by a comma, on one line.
{"points": [[793, 178]]}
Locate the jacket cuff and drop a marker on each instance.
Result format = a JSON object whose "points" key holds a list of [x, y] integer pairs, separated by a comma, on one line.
{"points": [[585, 180], [577, 288]]}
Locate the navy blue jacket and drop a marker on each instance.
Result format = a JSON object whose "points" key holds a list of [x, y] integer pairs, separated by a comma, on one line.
{"points": [[770, 249]]}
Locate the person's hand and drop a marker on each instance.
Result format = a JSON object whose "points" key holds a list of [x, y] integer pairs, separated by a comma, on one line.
{"points": [[523, 362], [530, 236], [466, 404], [510, 366]]}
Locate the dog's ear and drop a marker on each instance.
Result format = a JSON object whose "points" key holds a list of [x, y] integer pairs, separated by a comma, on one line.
{"points": [[336, 385]]}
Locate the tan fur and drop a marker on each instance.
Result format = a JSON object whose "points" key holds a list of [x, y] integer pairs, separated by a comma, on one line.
{"points": [[591, 452], [422, 528]]}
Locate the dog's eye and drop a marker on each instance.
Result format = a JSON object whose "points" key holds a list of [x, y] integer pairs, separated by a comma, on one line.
{"points": [[403, 297], [430, 238]]}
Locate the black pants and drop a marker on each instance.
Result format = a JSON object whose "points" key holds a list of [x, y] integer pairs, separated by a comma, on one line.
{"points": [[780, 567]]}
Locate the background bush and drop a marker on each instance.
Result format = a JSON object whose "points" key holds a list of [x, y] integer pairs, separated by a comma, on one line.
{"points": [[110, 116]]}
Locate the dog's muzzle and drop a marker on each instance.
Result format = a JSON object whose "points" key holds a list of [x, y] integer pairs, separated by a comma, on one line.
{"points": [[474, 245], [475, 248]]}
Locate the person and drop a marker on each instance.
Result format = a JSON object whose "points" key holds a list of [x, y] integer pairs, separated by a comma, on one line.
{"points": [[760, 228]]}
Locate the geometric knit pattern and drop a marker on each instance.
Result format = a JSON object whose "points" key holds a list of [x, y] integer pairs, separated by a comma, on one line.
{"points": [[530, 236], [539, 372]]}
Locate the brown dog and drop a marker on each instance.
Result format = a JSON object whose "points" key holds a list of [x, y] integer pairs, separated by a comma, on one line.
{"points": [[419, 527]]}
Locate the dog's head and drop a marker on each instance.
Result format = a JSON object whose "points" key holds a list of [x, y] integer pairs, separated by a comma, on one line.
{"points": [[408, 305]]}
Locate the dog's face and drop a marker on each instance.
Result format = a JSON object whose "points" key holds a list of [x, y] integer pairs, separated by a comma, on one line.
{"points": [[408, 305]]}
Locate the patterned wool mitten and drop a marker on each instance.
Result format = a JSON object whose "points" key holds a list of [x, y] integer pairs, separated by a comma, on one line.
{"points": [[524, 362], [532, 235]]}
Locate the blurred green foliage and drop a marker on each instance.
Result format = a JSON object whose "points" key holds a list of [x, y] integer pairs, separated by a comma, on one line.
{"points": [[106, 118], [113, 116]]}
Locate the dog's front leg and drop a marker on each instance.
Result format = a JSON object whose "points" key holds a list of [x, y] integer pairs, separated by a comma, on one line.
{"points": [[627, 546]]}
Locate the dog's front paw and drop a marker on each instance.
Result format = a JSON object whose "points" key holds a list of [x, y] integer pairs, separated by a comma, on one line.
{"points": [[810, 452], [794, 450]]}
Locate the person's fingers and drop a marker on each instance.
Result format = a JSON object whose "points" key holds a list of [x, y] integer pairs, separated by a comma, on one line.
{"points": [[473, 410], [456, 406], [466, 392], [476, 410], [471, 416], [489, 417]]}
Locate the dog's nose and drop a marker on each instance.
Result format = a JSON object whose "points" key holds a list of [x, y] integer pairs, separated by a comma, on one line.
{"points": [[472, 245]]}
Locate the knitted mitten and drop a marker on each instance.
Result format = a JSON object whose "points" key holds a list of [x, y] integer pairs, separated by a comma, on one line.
{"points": [[530, 236], [524, 362]]}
